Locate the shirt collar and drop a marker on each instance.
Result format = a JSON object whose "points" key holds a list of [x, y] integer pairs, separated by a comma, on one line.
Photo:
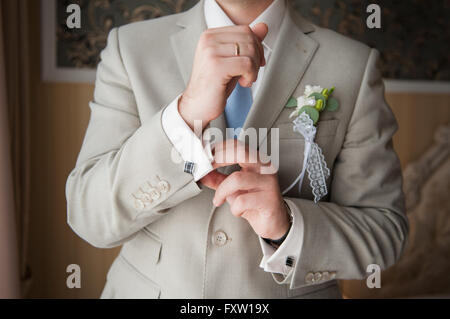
{"points": [[273, 16]]}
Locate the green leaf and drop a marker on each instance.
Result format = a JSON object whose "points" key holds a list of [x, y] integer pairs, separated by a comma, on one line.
{"points": [[291, 103], [332, 105], [312, 112]]}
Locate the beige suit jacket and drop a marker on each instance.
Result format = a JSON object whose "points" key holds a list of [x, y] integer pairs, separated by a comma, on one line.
{"points": [[167, 248]]}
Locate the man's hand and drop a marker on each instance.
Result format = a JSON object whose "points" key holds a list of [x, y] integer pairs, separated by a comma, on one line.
{"points": [[250, 194], [217, 69]]}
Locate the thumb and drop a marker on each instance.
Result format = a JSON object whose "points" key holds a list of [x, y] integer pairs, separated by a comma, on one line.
{"points": [[261, 30]]}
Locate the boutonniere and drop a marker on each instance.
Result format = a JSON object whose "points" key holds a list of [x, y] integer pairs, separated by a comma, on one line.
{"points": [[308, 107]]}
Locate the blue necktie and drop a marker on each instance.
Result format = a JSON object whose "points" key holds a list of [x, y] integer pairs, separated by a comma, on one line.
{"points": [[238, 106]]}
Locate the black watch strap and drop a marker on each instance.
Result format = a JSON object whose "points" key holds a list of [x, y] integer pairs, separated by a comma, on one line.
{"points": [[277, 242]]}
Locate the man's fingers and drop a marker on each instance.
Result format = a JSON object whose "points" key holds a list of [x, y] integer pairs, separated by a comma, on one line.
{"points": [[232, 197], [240, 66], [233, 152], [233, 37], [260, 30], [243, 35], [228, 51], [245, 203], [245, 49], [238, 182], [213, 180]]}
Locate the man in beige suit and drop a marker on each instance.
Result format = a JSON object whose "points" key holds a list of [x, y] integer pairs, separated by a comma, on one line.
{"points": [[189, 231]]}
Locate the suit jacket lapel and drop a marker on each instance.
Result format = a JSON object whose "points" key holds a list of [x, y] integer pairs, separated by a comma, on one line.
{"points": [[185, 41], [292, 54]]}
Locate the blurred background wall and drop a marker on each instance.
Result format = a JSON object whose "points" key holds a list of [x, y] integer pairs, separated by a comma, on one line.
{"points": [[53, 119]]}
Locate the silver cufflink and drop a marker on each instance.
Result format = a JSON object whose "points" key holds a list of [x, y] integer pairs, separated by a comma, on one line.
{"points": [[189, 167], [290, 261]]}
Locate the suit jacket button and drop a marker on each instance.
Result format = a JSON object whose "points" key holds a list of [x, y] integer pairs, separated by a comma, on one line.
{"points": [[219, 238], [154, 194], [309, 278], [139, 204], [146, 198], [163, 187], [317, 276]]}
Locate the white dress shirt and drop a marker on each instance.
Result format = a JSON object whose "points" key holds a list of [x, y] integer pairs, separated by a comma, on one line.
{"points": [[193, 148]]}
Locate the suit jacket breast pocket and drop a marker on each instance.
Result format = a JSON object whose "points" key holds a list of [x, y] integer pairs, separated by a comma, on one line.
{"points": [[292, 147]]}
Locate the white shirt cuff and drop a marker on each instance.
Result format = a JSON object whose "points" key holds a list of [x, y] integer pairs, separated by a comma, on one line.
{"points": [[191, 148], [274, 260]]}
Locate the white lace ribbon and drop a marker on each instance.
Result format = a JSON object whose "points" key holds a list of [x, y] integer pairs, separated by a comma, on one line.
{"points": [[313, 160]]}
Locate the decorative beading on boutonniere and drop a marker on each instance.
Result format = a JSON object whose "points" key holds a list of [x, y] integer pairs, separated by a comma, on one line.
{"points": [[307, 114]]}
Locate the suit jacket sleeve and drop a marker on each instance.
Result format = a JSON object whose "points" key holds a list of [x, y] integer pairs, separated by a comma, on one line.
{"points": [[364, 223], [119, 156]]}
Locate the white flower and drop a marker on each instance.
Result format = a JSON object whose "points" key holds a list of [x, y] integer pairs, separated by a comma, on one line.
{"points": [[312, 89], [311, 101], [305, 100], [301, 100]]}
